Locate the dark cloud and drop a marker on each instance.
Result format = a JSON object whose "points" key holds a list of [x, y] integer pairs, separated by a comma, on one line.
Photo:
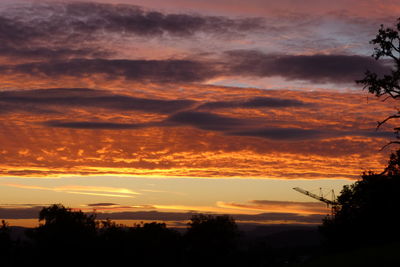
{"points": [[135, 20], [287, 203], [49, 53], [257, 102], [9, 108], [201, 120], [30, 22], [70, 30], [226, 125], [13, 32], [91, 125], [276, 216], [299, 134], [139, 70], [66, 34], [206, 121], [29, 39], [20, 213], [314, 68], [284, 134], [289, 206], [252, 127], [101, 204], [147, 215], [41, 99], [372, 133]]}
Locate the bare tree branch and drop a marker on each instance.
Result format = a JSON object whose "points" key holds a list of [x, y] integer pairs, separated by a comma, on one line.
{"points": [[387, 119]]}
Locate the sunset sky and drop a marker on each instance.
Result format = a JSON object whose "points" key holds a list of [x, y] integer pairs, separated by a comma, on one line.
{"points": [[155, 109]]}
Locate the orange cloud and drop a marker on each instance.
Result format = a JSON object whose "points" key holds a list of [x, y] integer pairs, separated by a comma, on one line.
{"points": [[235, 137]]}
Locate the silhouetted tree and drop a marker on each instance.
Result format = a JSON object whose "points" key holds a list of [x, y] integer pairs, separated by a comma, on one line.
{"points": [[64, 232], [212, 240], [67, 237], [367, 210], [5, 243], [5, 238], [156, 245], [64, 223], [387, 46]]}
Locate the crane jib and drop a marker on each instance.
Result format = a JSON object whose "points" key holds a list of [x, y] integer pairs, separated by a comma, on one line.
{"points": [[320, 198]]}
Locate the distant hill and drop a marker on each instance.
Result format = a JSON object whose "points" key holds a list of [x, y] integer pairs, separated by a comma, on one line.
{"points": [[18, 232], [283, 235]]}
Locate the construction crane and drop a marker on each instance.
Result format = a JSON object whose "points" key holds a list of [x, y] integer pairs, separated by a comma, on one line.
{"points": [[320, 197]]}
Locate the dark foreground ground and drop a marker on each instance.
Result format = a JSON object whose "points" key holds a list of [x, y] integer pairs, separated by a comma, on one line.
{"points": [[274, 245]]}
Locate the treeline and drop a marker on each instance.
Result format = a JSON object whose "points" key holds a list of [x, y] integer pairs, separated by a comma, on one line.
{"points": [[72, 238]]}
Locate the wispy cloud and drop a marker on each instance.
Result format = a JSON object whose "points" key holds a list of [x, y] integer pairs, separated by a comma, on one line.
{"points": [[113, 207], [279, 206], [84, 190]]}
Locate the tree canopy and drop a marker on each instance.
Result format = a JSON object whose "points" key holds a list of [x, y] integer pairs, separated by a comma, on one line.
{"points": [[387, 85], [366, 210]]}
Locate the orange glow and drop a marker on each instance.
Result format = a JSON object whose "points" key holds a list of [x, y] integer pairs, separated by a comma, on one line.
{"points": [[30, 149]]}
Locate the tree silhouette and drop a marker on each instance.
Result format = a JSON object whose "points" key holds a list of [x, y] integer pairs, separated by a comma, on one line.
{"points": [[212, 240], [155, 244], [367, 210], [387, 46], [67, 237], [5, 238], [64, 232], [61, 223], [5, 243], [150, 244]]}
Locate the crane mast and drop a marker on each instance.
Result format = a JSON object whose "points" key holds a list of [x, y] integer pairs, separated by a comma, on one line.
{"points": [[320, 198]]}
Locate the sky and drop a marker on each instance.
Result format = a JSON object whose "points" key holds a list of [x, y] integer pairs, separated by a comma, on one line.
{"points": [[156, 110]]}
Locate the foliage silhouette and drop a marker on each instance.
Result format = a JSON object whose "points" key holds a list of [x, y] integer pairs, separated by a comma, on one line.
{"points": [[64, 232], [387, 85], [5, 243], [151, 244], [67, 237], [212, 239], [5, 238], [366, 211], [62, 224]]}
